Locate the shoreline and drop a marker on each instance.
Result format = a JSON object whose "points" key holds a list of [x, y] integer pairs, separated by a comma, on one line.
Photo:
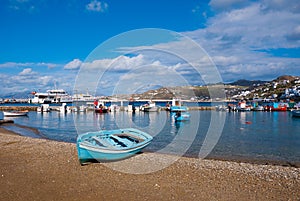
{"points": [[217, 158], [41, 169]]}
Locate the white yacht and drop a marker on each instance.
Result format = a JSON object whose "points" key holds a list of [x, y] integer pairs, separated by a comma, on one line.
{"points": [[51, 96], [83, 97]]}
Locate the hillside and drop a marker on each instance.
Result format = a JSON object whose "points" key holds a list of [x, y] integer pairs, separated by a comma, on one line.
{"points": [[247, 83]]}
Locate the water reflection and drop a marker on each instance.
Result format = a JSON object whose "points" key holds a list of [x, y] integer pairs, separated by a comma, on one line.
{"points": [[270, 135]]}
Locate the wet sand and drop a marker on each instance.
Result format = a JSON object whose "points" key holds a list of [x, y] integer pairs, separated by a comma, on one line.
{"points": [[38, 169]]}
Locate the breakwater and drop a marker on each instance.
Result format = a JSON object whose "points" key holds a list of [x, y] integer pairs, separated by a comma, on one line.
{"points": [[18, 108], [34, 108]]}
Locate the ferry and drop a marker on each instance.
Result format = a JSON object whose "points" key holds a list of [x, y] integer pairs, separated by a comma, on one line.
{"points": [[83, 98], [51, 96]]}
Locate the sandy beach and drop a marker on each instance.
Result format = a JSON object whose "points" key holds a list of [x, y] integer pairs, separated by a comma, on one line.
{"points": [[38, 169]]}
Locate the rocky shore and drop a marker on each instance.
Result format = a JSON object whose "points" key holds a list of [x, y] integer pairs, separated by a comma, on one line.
{"points": [[18, 108], [38, 169]]}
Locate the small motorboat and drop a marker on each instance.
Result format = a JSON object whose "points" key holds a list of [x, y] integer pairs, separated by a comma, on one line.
{"points": [[151, 107], [258, 108], [111, 145], [296, 113], [177, 106], [15, 113], [101, 110], [182, 116], [100, 107]]}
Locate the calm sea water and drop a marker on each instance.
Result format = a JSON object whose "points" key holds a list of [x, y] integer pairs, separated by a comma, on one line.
{"points": [[245, 136]]}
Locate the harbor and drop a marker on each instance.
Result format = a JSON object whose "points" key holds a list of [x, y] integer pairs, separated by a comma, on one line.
{"points": [[256, 152], [278, 141], [140, 100]]}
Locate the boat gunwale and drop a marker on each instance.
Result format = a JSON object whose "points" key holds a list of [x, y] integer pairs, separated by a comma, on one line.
{"points": [[143, 138], [90, 147]]}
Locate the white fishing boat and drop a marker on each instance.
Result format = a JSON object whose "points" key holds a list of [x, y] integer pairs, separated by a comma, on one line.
{"points": [[114, 108], [151, 107], [296, 113], [258, 108], [296, 110], [15, 113]]}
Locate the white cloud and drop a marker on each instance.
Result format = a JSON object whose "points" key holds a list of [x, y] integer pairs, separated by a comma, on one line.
{"points": [[13, 64], [73, 65], [27, 64], [242, 37], [281, 5], [26, 72], [253, 27], [227, 4], [19, 77], [239, 38], [97, 6]]}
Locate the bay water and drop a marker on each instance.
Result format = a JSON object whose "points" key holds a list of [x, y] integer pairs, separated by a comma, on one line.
{"points": [[264, 137]]}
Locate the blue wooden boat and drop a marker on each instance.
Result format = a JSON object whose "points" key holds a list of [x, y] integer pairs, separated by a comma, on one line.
{"points": [[111, 145], [182, 116], [178, 108]]}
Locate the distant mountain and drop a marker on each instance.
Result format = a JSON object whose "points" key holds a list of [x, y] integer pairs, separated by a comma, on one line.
{"points": [[247, 83], [19, 95], [286, 77]]}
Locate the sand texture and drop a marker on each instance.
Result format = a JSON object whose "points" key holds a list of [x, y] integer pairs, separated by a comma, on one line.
{"points": [[37, 169]]}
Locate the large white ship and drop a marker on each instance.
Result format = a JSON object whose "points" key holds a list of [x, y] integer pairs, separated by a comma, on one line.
{"points": [[51, 96]]}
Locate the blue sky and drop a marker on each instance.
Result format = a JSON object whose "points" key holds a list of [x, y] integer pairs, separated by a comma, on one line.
{"points": [[46, 41]]}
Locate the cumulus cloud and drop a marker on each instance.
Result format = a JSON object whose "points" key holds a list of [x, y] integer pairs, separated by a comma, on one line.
{"points": [[22, 77], [281, 5], [97, 6], [239, 38], [240, 26], [27, 64], [26, 72], [242, 38], [125, 74], [294, 35], [73, 65], [223, 5]]}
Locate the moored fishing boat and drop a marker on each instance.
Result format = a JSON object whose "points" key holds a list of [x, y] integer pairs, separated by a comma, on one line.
{"points": [[15, 113], [99, 107], [177, 106], [276, 107], [182, 116], [151, 107], [111, 145], [243, 107], [258, 108], [296, 113]]}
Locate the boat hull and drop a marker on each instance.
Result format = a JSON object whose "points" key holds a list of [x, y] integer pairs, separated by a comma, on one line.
{"points": [[275, 109], [14, 114], [178, 108], [296, 113], [110, 149], [86, 154], [182, 117], [151, 109], [101, 110]]}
